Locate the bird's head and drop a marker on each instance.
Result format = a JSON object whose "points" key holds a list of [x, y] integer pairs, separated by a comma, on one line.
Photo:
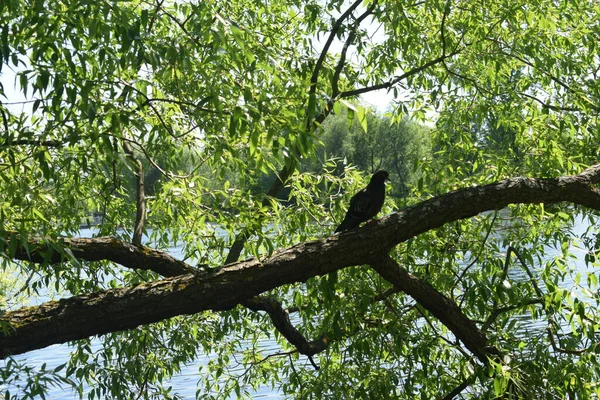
{"points": [[380, 176]]}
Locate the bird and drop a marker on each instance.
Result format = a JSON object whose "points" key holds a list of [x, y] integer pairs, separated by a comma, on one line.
{"points": [[365, 204]]}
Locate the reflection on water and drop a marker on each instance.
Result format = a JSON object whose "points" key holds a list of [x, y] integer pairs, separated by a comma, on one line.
{"points": [[528, 327], [185, 383]]}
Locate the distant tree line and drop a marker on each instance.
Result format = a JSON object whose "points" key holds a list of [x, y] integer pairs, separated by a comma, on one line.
{"points": [[394, 146]]}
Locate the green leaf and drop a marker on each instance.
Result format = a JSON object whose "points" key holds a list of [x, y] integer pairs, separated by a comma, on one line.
{"points": [[362, 117]]}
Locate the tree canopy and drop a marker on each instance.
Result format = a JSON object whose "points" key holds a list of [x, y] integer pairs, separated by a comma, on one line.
{"points": [[155, 123]]}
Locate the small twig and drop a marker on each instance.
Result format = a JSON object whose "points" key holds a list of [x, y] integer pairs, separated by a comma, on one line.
{"points": [[154, 164], [459, 388], [264, 359], [559, 349], [540, 294], [552, 77], [188, 104], [499, 311], [442, 27], [31, 142], [513, 250], [159, 4], [4, 118], [297, 375], [481, 247], [548, 105]]}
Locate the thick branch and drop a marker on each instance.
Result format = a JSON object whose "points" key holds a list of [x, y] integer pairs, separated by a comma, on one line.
{"points": [[138, 257], [113, 310], [281, 321], [40, 250], [440, 306]]}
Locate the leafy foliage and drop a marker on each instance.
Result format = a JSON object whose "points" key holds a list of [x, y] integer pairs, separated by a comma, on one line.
{"points": [[211, 97]]}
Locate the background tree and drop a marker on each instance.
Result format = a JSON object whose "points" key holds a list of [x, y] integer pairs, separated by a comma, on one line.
{"points": [[471, 292], [396, 147]]}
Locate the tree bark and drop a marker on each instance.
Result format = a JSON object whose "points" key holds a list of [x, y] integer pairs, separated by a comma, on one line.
{"points": [[43, 250], [82, 316]]}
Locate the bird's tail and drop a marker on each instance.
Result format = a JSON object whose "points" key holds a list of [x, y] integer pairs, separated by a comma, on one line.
{"points": [[347, 223]]}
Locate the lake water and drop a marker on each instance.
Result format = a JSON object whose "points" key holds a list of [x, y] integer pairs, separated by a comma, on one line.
{"points": [[185, 383]]}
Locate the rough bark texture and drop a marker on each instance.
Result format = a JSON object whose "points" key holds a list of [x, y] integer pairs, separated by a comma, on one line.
{"points": [[281, 321], [119, 309], [40, 250]]}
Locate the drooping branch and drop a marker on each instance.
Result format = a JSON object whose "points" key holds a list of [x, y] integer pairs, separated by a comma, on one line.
{"points": [[549, 314], [119, 309], [281, 321], [570, 89], [440, 306]]}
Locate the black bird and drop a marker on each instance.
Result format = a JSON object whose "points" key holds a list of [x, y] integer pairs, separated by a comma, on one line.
{"points": [[365, 204]]}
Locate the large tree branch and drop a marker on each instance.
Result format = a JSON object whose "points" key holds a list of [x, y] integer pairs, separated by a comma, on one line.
{"points": [[335, 29], [440, 306], [349, 40], [40, 250], [119, 309]]}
